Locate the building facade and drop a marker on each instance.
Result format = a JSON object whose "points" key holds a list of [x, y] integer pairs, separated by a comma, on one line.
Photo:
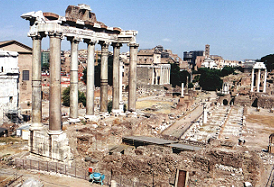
{"points": [[9, 75], [25, 70], [153, 66]]}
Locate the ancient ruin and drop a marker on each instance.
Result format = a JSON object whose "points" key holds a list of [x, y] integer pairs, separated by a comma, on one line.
{"points": [[79, 24], [169, 136]]}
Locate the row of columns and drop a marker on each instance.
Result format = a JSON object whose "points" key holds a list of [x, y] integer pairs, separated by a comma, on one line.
{"points": [[258, 80], [55, 80], [163, 74]]}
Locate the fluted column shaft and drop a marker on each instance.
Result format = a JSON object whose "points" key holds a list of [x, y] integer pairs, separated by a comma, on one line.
{"points": [[104, 77], [265, 75], [74, 78], [133, 50], [121, 103], [252, 80], [90, 78], [55, 84], [258, 80], [115, 85], [36, 82]]}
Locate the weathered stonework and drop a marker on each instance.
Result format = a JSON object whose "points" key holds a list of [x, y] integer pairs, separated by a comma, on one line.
{"points": [[52, 146], [78, 25]]}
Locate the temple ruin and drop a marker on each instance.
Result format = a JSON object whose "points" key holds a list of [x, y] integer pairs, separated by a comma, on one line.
{"points": [[78, 25]]}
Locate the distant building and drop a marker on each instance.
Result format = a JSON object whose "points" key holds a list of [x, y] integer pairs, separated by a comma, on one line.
{"points": [[153, 66], [25, 69], [9, 77], [248, 65], [199, 60], [207, 50], [209, 63], [190, 57]]}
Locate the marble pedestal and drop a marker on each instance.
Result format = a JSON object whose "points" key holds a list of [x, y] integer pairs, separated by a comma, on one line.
{"points": [[51, 145]]}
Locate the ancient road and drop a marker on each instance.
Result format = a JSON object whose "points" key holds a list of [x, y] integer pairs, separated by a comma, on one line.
{"points": [[180, 126]]}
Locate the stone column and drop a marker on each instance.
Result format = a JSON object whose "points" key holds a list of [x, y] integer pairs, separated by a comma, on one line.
{"points": [[121, 103], [205, 114], [90, 79], [258, 80], [161, 76], [133, 50], [252, 80], [115, 85], [265, 75], [73, 114], [104, 77], [36, 83], [182, 92], [152, 80], [55, 84], [169, 74], [187, 85]]}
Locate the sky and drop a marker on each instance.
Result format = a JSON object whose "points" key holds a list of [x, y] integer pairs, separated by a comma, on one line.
{"points": [[234, 29]]}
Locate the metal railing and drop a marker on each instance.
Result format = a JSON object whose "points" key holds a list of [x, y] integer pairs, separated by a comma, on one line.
{"points": [[80, 172]]}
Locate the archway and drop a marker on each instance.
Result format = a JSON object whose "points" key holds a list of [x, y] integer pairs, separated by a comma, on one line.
{"points": [[255, 103], [225, 102]]}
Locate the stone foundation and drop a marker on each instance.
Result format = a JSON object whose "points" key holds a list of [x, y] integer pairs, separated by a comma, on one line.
{"points": [[54, 146]]}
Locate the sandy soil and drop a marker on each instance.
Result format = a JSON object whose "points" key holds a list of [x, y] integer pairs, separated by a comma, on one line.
{"points": [[259, 125]]}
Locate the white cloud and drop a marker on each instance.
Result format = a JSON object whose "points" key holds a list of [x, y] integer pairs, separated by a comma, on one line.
{"points": [[166, 40], [258, 39]]}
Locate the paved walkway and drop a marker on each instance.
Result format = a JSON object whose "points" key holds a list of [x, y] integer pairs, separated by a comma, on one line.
{"points": [[180, 126]]}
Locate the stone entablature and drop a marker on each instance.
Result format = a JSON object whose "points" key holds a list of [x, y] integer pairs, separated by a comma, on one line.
{"points": [[72, 26]]}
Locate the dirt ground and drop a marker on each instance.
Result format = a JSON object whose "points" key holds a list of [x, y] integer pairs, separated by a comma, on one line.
{"points": [[259, 126], [46, 178]]}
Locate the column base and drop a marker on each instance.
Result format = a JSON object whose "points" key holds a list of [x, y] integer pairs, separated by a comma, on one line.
{"points": [[131, 114], [36, 126], [116, 112], [52, 144], [91, 117], [55, 132], [121, 107], [73, 120]]}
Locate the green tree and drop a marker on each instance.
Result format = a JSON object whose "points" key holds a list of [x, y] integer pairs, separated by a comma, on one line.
{"points": [[109, 107], [210, 79], [227, 71], [196, 78], [45, 66], [269, 61], [176, 76], [66, 97]]}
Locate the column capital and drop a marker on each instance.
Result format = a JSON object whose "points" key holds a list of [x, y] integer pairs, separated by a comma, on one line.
{"points": [[104, 43], [116, 44], [133, 45], [38, 36], [55, 34], [91, 41], [73, 39]]}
